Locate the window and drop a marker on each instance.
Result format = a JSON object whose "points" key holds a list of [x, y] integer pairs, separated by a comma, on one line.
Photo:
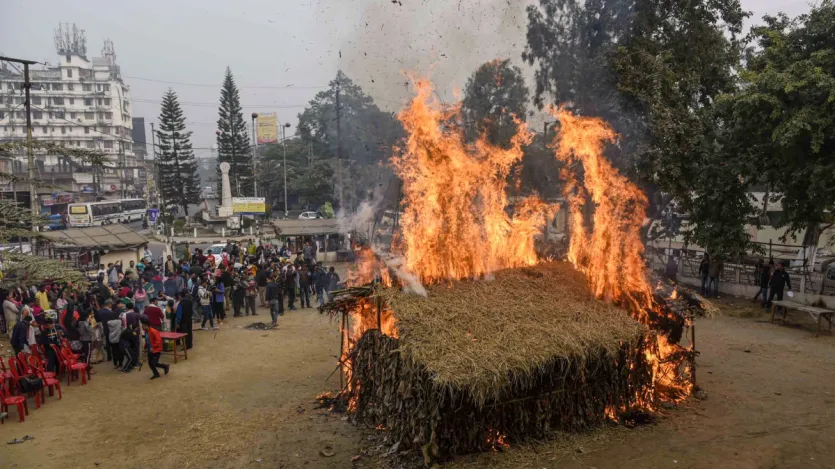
{"points": [[2, 115], [37, 115], [90, 144], [58, 101], [18, 100], [90, 115], [69, 58], [69, 74], [107, 101], [60, 114], [98, 101], [87, 87], [107, 88], [64, 130], [21, 115], [105, 129], [52, 129], [98, 87], [88, 101], [108, 115], [86, 130], [70, 86], [45, 130], [51, 115], [72, 101], [36, 100], [57, 87], [108, 144], [73, 115]]}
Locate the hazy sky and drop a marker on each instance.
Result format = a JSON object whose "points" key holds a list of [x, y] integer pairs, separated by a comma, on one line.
{"points": [[293, 46]]}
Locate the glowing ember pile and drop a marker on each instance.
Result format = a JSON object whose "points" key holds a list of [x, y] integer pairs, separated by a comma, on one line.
{"points": [[419, 366]]}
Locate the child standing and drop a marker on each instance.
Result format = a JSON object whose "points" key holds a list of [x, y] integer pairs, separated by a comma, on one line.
{"points": [[153, 342]]}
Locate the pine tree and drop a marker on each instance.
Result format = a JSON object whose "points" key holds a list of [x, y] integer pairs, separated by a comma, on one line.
{"points": [[179, 181], [233, 140]]}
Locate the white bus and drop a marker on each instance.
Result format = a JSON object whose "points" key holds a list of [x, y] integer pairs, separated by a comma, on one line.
{"points": [[85, 214], [133, 210]]}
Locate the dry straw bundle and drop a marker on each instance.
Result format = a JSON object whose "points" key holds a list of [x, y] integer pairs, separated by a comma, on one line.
{"points": [[477, 363]]}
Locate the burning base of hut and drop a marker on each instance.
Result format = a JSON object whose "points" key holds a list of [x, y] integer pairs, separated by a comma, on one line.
{"points": [[478, 364]]}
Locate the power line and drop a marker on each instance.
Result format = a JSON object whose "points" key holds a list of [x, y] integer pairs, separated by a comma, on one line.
{"points": [[268, 87], [10, 112]]}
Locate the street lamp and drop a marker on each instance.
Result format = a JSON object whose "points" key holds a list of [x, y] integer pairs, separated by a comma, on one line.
{"points": [[254, 152], [284, 143]]}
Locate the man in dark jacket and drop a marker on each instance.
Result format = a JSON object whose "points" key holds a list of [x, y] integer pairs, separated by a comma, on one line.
{"points": [[104, 315], [20, 334], [704, 269], [304, 287], [275, 297], [764, 279], [779, 280], [320, 282]]}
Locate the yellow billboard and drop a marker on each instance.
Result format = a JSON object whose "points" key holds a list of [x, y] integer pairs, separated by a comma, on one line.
{"points": [[267, 128], [249, 205]]}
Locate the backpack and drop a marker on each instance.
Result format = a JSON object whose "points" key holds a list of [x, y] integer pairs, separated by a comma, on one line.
{"points": [[114, 327]]}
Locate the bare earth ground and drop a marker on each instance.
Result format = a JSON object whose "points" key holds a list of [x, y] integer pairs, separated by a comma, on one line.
{"points": [[245, 399]]}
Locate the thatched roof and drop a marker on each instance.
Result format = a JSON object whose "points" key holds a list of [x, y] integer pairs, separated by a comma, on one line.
{"points": [[486, 336]]}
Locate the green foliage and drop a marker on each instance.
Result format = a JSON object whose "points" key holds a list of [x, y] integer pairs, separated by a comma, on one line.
{"points": [[179, 181], [368, 135], [495, 98], [654, 71], [17, 221], [780, 123], [233, 142]]}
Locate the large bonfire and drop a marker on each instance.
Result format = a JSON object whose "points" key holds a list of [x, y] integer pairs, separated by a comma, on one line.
{"points": [[499, 346]]}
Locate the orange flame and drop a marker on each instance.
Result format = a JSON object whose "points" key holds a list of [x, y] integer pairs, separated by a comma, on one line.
{"points": [[610, 253], [455, 223]]}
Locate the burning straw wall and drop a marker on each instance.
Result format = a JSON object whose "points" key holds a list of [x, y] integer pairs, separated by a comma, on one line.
{"points": [[478, 363]]}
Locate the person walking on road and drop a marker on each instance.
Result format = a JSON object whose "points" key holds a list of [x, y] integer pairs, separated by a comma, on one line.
{"points": [[779, 280]]}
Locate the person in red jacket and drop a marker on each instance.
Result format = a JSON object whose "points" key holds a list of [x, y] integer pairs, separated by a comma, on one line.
{"points": [[153, 341]]}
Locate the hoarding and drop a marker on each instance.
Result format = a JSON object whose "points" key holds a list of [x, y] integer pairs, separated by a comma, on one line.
{"points": [[267, 128], [249, 205]]}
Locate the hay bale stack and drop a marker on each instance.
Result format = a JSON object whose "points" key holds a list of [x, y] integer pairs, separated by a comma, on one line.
{"points": [[477, 363]]}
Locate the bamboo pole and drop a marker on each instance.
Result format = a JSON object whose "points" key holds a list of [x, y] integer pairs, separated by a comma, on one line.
{"points": [[342, 352]]}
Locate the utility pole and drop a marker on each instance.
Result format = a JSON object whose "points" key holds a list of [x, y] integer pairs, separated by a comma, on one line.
{"points": [[284, 144], [30, 152], [254, 155], [339, 149]]}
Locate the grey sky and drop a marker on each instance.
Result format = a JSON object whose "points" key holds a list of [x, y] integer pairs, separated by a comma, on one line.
{"points": [[283, 43]]}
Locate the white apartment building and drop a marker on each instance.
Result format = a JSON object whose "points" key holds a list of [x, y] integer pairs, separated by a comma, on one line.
{"points": [[80, 103]]}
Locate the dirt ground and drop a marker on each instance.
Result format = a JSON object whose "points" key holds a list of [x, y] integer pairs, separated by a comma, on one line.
{"points": [[246, 399]]}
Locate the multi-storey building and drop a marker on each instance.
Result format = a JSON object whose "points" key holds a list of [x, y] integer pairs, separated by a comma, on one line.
{"points": [[79, 103]]}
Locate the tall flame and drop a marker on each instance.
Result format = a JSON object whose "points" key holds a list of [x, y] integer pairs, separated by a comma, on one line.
{"points": [[610, 251], [455, 223]]}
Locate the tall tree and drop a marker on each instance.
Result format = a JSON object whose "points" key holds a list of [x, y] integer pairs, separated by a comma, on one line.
{"points": [[179, 181], [368, 134], [495, 98], [233, 140], [780, 123], [654, 70]]}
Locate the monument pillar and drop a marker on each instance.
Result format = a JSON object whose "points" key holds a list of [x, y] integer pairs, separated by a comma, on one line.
{"points": [[225, 209]]}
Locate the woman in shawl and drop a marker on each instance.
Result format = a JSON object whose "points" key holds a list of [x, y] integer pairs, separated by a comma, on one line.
{"points": [[183, 319]]}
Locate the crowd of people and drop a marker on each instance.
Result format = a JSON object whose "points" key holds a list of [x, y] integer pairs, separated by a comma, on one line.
{"points": [[771, 279], [105, 319]]}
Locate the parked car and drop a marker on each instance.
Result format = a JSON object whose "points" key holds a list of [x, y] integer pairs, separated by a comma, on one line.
{"points": [[309, 216]]}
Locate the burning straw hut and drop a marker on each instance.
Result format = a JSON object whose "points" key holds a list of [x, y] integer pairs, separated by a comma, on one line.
{"points": [[478, 363]]}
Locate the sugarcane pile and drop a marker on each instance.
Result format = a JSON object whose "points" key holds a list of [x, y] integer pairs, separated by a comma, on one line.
{"points": [[478, 363]]}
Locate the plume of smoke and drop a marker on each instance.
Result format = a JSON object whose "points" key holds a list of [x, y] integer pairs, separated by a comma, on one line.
{"points": [[409, 281]]}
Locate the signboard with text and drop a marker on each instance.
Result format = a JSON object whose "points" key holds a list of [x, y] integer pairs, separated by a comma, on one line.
{"points": [[267, 128], [249, 205]]}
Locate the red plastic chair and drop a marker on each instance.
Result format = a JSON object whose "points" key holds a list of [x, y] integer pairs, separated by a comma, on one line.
{"points": [[7, 399], [17, 375], [71, 365], [65, 345], [6, 376], [50, 382], [35, 362], [23, 359], [38, 351]]}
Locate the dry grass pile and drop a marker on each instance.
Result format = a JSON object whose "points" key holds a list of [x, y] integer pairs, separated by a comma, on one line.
{"points": [[481, 335], [478, 363]]}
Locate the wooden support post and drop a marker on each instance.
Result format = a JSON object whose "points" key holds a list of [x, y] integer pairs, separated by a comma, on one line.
{"points": [[342, 352], [693, 351]]}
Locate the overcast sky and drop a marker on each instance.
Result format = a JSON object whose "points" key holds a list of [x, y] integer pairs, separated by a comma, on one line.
{"points": [[294, 46]]}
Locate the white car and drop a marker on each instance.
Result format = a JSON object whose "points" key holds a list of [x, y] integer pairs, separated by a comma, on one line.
{"points": [[217, 250], [309, 216]]}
